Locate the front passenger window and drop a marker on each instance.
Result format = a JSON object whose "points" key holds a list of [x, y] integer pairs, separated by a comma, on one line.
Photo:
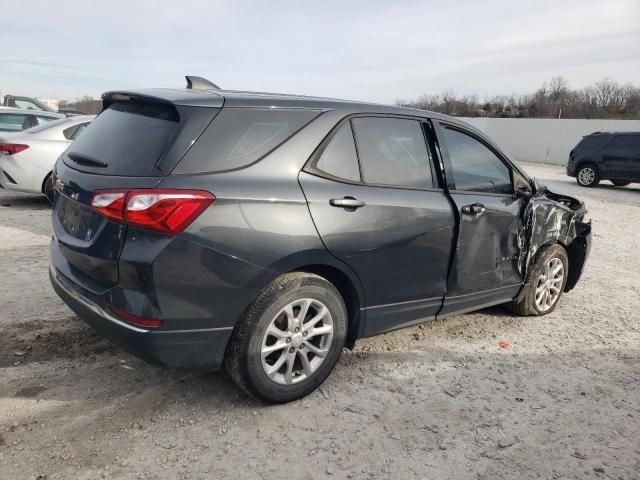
{"points": [[475, 167]]}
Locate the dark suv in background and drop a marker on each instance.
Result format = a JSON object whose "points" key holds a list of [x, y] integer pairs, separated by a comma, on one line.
{"points": [[198, 227], [611, 156]]}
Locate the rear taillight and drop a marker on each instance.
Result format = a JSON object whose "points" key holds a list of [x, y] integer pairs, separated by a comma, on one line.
{"points": [[163, 210], [11, 148]]}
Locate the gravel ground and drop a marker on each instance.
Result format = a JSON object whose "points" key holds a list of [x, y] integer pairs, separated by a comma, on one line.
{"points": [[439, 400]]}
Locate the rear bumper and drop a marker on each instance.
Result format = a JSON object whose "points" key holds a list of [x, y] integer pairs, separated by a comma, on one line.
{"points": [[201, 349]]}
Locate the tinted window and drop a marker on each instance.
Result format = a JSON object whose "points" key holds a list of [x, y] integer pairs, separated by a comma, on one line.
{"points": [[392, 152], [68, 132], [592, 141], [128, 137], [240, 136], [14, 122], [79, 130], [72, 133], [339, 158], [625, 142], [475, 167]]}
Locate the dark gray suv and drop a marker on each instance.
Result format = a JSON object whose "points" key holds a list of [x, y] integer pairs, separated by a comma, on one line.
{"points": [[199, 227], [613, 156]]}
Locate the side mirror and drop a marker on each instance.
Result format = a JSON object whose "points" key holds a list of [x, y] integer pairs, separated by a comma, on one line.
{"points": [[523, 191]]}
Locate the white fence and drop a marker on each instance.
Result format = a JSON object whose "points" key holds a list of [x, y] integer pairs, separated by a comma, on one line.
{"points": [[545, 140]]}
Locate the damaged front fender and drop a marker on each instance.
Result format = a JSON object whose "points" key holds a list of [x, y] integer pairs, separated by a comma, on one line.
{"points": [[551, 218]]}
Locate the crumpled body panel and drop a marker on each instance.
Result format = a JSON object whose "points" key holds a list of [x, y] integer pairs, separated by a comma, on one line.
{"points": [[552, 218]]}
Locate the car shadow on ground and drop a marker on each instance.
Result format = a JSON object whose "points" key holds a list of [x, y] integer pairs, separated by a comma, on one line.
{"points": [[23, 201]]}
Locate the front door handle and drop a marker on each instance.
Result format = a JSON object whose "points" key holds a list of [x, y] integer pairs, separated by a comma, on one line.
{"points": [[348, 203], [473, 209]]}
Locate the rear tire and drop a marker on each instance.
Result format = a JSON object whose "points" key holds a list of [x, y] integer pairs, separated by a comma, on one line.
{"points": [[47, 188], [587, 175], [619, 183], [545, 283], [266, 352]]}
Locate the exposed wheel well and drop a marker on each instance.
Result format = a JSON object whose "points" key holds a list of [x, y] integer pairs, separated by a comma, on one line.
{"points": [[349, 293], [576, 252], [44, 182]]}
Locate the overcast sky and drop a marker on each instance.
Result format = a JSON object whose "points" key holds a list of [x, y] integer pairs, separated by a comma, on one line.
{"points": [[366, 50]]}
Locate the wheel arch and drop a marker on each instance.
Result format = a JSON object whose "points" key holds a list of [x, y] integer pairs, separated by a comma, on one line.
{"points": [[600, 174], [351, 291], [576, 250]]}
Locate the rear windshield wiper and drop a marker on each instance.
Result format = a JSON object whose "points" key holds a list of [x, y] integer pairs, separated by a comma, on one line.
{"points": [[84, 160]]}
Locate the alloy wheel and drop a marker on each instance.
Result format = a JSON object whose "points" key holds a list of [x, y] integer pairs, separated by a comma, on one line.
{"points": [[297, 341], [586, 176], [549, 285]]}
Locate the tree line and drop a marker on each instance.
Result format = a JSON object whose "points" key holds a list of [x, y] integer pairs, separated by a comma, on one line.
{"points": [[554, 99], [86, 104]]}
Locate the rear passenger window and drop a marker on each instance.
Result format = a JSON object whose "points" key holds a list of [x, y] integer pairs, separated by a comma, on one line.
{"points": [[240, 136], [475, 167], [339, 159], [625, 142], [392, 151], [10, 122]]}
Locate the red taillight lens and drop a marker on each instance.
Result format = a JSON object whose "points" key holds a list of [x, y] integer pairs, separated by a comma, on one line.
{"points": [[110, 204], [163, 210], [142, 322], [11, 148]]}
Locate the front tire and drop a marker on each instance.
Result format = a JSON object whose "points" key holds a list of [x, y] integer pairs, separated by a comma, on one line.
{"points": [[587, 175], [546, 282], [289, 340]]}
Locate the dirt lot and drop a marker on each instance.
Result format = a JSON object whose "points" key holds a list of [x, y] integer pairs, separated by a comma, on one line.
{"points": [[440, 400]]}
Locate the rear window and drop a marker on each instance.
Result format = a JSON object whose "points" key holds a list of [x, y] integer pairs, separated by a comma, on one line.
{"points": [[241, 136], [127, 138]]}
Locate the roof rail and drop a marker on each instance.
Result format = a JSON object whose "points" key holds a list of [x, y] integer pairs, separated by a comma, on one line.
{"points": [[199, 83]]}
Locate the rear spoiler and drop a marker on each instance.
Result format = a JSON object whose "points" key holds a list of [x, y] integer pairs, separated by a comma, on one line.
{"points": [[165, 96]]}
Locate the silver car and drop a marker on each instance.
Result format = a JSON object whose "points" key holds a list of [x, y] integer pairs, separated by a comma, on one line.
{"points": [[27, 157], [16, 119]]}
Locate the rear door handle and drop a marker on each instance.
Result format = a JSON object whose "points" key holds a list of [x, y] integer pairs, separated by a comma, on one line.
{"points": [[473, 209], [348, 203]]}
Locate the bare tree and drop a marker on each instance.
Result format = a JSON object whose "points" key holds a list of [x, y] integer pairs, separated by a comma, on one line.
{"points": [[555, 99]]}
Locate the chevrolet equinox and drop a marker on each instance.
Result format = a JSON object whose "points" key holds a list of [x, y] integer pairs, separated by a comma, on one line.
{"points": [[201, 227]]}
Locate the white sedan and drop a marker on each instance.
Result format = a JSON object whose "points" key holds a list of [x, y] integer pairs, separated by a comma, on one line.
{"points": [[27, 157]]}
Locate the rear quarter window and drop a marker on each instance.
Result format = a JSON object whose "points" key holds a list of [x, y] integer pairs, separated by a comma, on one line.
{"points": [[238, 137]]}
